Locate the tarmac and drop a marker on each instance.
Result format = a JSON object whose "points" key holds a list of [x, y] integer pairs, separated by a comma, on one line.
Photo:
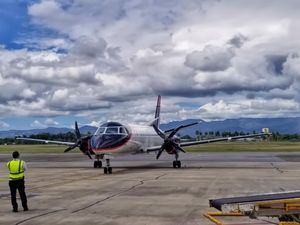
{"points": [[66, 189]]}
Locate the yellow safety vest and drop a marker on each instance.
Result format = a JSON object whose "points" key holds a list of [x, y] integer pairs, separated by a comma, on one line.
{"points": [[16, 171]]}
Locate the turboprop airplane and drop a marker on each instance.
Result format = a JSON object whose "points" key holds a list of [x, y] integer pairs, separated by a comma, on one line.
{"points": [[114, 138]]}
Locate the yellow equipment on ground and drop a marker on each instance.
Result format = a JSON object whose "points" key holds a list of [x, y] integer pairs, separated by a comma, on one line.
{"points": [[284, 205]]}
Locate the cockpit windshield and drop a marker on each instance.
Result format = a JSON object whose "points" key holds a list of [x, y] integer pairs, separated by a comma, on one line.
{"points": [[111, 128]]}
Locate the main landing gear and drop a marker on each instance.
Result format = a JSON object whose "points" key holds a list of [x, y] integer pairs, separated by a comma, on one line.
{"points": [[176, 163], [98, 163], [107, 169]]}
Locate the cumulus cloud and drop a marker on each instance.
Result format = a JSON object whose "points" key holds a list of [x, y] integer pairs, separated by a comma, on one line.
{"points": [[37, 124], [276, 63], [252, 108], [292, 66], [237, 41], [51, 122], [95, 123], [43, 124], [89, 47], [210, 59], [108, 59], [4, 125]]}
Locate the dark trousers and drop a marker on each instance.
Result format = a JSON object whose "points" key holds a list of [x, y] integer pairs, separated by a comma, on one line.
{"points": [[20, 185]]}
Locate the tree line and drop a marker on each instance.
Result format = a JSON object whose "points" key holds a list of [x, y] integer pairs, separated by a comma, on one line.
{"points": [[70, 137], [276, 136]]}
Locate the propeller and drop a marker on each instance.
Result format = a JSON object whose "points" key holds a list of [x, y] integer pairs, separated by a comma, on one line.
{"points": [[169, 142], [72, 147], [79, 141]]}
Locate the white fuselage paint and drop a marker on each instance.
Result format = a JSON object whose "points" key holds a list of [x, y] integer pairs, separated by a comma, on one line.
{"points": [[142, 137]]}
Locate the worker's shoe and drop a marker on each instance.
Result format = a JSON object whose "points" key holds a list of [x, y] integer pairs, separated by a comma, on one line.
{"points": [[26, 209], [15, 210]]}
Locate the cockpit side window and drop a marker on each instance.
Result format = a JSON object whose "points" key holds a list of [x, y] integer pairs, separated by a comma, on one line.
{"points": [[111, 130], [122, 130], [100, 130]]}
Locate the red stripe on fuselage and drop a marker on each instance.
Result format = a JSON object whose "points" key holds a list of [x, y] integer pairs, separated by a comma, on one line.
{"points": [[114, 149]]}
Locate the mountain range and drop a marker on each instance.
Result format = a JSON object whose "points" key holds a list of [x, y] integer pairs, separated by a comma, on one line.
{"points": [[50, 130], [282, 125]]}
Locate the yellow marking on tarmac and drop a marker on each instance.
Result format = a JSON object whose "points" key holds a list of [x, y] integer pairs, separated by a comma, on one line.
{"points": [[212, 216]]}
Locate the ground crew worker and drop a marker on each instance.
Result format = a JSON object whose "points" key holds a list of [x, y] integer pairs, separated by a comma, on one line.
{"points": [[16, 169]]}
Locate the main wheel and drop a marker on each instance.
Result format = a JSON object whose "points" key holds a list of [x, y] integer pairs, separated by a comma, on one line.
{"points": [[95, 164], [179, 164], [174, 164], [99, 164], [105, 170], [109, 170]]}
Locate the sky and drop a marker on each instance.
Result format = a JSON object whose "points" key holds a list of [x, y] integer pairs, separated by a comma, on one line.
{"points": [[93, 61]]}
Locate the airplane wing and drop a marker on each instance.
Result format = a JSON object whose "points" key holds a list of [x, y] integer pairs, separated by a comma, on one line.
{"points": [[48, 141], [185, 144]]}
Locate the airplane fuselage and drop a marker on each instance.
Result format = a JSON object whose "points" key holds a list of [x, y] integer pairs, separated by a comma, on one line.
{"points": [[118, 139]]}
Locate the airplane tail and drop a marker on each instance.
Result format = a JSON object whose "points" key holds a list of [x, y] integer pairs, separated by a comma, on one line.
{"points": [[157, 113]]}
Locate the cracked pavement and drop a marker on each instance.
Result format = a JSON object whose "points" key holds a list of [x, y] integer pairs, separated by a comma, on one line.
{"points": [[65, 189]]}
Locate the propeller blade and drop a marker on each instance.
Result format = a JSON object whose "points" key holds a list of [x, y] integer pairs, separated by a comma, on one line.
{"points": [[159, 132], [160, 151], [77, 132], [89, 154], [180, 127], [71, 147], [178, 147]]}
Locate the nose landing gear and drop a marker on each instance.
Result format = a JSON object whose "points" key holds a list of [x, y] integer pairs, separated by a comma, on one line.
{"points": [[98, 163]]}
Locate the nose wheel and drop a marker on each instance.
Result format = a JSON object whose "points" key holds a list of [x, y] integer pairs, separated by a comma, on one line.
{"points": [[97, 164], [107, 169]]}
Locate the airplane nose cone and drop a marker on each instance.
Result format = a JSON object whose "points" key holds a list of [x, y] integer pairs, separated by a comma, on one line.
{"points": [[107, 141]]}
